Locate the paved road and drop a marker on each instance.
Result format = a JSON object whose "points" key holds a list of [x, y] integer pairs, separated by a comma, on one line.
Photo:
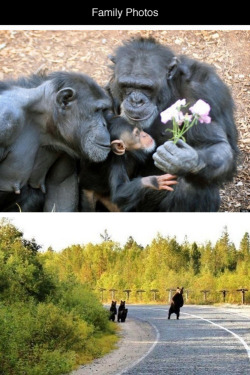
{"points": [[205, 341]]}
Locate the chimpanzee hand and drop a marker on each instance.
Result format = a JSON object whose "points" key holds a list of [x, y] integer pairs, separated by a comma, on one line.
{"points": [[162, 182], [177, 158]]}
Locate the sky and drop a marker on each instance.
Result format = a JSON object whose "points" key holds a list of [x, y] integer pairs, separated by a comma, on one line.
{"points": [[61, 230]]}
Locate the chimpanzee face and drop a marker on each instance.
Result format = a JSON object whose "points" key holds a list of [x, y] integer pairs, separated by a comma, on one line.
{"points": [[125, 137], [140, 80], [78, 116]]}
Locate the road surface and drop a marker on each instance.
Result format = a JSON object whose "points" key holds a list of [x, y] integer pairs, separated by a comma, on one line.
{"points": [[205, 341]]}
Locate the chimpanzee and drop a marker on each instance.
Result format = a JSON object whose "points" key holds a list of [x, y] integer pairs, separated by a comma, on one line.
{"points": [[130, 148], [147, 78], [46, 122], [113, 311], [176, 303], [122, 312]]}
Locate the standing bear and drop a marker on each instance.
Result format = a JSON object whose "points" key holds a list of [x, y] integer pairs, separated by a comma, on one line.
{"points": [[122, 312], [176, 303], [113, 311]]}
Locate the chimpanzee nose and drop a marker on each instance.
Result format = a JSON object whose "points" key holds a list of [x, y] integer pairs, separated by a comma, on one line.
{"points": [[136, 99]]}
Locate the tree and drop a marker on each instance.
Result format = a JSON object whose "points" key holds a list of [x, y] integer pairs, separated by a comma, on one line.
{"points": [[195, 259], [23, 272], [221, 253], [244, 250], [105, 236], [31, 245], [10, 237]]}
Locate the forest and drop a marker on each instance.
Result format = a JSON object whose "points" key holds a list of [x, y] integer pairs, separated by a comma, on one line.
{"points": [[52, 316], [145, 274]]}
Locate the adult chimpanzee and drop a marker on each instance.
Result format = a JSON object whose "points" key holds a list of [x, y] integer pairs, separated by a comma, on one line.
{"points": [[148, 78], [130, 148], [46, 122]]}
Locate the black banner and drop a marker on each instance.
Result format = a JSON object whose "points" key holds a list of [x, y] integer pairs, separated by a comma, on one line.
{"points": [[167, 14]]}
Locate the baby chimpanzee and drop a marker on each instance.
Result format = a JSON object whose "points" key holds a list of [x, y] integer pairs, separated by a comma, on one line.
{"points": [[131, 147]]}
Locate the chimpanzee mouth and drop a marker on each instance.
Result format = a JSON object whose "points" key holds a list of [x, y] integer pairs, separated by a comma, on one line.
{"points": [[139, 118], [103, 146]]}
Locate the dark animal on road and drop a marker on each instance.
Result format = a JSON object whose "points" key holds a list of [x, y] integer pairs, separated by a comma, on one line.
{"points": [[130, 146], [122, 312], [146, 79], [176, 303], [113, 311], [46, 122]]}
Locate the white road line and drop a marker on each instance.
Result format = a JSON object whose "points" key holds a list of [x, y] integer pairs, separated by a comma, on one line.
{"points": [[217, 325], [225, 329], [158, 337], [146, 354]]}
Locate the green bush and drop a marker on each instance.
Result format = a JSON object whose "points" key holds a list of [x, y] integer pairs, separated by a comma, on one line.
{"points": [[80, 300], [40, 339]]}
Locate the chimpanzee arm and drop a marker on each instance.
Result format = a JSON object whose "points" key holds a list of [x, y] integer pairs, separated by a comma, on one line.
{"points": [[62, 186], [45, 158], [126, 194]]}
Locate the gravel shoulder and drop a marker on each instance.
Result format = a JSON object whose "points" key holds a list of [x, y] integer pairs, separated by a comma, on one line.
{"points": [[137, 337]]}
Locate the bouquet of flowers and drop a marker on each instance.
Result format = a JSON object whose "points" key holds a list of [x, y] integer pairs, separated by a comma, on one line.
{"points": [[182, 122]]}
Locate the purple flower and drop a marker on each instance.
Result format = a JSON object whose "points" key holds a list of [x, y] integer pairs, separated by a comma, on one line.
{"points": [[174, 112], [201, 109]]}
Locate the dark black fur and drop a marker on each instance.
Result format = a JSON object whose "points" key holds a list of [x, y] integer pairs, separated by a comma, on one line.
{"points": [[113, 311], [122, 312], [176, 303], [105, 178], [147, 78]]}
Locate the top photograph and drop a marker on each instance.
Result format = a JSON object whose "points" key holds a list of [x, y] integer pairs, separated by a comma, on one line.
{"points": [[124, 121]]}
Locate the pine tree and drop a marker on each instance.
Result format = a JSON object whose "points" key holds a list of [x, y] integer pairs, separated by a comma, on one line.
{"points": [[244, 250], [195, 258]]}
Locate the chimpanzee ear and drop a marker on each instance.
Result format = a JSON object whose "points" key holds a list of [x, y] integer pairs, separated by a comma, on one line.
{"points": [[172, 67], [65, 96], [112, 58], [185, 71], [118, 147]]}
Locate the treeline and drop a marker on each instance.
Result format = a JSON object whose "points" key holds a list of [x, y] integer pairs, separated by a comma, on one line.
{"points": [[48, 325], [163, 264]]}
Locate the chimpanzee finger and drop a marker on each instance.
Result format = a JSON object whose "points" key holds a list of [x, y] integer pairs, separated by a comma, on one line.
{"points": [[164, 182], [167, 177]]}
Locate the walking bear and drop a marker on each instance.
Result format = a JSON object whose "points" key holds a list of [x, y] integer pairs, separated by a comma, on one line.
{"points": [[122, 312], [176, 303]]}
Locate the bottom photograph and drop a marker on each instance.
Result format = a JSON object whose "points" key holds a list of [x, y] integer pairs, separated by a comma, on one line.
{"points": [[117, 293]]}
